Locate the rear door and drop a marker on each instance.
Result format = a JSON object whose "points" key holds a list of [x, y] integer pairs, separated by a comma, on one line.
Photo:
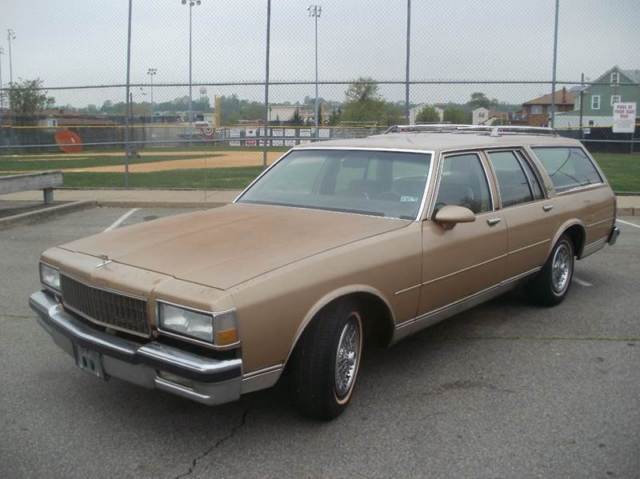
{"points": [[529, 218], [469, 257]]}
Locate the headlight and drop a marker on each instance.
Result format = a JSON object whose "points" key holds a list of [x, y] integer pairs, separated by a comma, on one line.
{"points": [[216, 328], [50, 276]]}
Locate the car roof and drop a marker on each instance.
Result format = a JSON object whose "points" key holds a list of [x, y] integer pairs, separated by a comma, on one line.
{"points": [[442, 141]]}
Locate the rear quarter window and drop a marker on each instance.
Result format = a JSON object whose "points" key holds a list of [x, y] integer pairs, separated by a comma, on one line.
{"points": [[568, 167]]}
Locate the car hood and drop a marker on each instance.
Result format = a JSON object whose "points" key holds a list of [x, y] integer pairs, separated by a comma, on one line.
{"points": [[225, 246]]}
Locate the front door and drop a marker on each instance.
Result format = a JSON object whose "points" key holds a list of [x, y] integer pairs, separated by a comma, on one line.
{"points": [[470, 257]]}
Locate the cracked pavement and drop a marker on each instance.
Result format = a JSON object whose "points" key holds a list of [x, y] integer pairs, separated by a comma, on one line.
{"points": [[504, 390]]}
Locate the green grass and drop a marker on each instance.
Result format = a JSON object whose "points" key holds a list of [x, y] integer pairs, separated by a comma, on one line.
{"points": [[29, 164], [622, 170], [232, 178]]}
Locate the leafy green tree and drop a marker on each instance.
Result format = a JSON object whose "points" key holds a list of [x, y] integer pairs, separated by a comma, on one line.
{"points": [[365, 104], [427, 115], [479, 99], [456, 115], [27, 99]]}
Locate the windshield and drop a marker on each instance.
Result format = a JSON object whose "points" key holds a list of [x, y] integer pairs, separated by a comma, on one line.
{"points": [[379, 183]]}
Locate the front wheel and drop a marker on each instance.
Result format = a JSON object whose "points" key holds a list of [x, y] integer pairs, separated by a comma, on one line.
{"points": [[327, 361], [551, 285]]}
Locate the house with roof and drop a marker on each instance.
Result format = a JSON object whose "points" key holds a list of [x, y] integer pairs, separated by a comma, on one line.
{"points": [[614, 86], [536, 112]]}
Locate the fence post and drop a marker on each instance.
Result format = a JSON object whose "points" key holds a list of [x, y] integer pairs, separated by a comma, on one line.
{"points": [[555, 63], [581, 105], [128, 101], [407, 64], [266, 87]]}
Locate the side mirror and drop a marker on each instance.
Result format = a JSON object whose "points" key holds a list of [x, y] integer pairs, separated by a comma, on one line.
{"points": [[448, 216]]}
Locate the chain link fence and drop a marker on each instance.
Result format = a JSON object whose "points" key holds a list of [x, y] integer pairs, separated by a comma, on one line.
{"points": [[244, 74]]}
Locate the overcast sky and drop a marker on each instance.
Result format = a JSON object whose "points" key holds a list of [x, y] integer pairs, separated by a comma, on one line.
{"points": [[83, 42]]}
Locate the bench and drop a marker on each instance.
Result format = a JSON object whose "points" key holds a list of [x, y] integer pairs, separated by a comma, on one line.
{"points": [[45, 181]]}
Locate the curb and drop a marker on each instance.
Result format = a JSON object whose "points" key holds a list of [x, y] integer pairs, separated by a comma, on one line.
{"points": [[628, 212], [31, 216]]}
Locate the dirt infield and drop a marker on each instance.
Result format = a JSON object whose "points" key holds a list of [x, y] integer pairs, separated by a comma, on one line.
{"points": [[221, 159]]}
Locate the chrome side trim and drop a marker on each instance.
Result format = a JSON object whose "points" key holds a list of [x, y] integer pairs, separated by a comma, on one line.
{"points": [[413, 325], [465, 269], [261, 379], [532, 245], [406, 290], [593, 247], [609, 220]]}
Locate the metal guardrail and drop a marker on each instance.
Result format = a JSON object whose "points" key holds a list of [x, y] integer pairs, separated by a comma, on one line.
{"points": [[45, 181]]}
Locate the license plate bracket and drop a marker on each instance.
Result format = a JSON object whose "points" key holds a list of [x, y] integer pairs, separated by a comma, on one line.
{"points": [[89, 361]]}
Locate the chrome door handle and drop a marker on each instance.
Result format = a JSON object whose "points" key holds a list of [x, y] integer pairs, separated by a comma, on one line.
{"points": [[547, 207], [493, 221]]}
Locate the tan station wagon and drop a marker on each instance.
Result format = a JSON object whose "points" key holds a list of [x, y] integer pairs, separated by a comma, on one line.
{"points": [[336, 246]]}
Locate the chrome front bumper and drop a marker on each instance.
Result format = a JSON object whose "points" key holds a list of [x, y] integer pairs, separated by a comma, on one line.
{"points": [[206, 380]]}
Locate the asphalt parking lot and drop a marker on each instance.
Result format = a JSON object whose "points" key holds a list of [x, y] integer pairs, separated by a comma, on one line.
{"points": [[505, 390]]}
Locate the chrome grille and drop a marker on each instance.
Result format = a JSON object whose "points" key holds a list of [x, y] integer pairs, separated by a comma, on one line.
{"points": [[105, 307]]}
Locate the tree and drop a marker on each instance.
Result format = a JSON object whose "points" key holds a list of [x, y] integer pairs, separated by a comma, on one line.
{"points": [[480, 100], [27, 98], [427, 115], [362, 90], [363, 103], [296, 119], [456, 115]]}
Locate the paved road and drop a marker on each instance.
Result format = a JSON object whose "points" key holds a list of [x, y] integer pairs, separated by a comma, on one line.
{"points": [[506, 390]]}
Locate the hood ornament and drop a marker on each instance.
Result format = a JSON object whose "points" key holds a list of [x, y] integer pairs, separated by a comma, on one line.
{"points": [[105, 261]]}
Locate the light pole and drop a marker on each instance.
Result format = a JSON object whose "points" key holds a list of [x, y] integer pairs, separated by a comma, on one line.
{"points": [[11, 35], [191, 4], [315, 11], [152, 72]]}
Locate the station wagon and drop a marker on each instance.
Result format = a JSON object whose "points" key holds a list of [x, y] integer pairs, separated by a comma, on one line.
{"points": [[337, 246]]}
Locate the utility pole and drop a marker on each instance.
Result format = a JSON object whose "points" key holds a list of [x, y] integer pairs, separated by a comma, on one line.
{"points": [[407, 64], [266, 87], [191, 4], [11, 35], [555, 64], [315, 11]]}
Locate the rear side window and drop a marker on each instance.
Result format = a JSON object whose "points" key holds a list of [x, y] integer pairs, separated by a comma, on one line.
{"points": [[568, 167], [512, 180], [464, 183]]}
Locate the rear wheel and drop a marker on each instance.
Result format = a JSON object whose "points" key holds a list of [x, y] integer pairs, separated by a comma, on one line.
{"points": [[327, 361], [551, 285]]}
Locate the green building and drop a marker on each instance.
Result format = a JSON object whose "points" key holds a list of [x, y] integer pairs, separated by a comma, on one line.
{"points": [[614, 86]]}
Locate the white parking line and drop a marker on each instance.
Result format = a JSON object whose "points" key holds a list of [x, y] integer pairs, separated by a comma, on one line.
{"points": [[628, 223], [121, 220], [582, 282]]}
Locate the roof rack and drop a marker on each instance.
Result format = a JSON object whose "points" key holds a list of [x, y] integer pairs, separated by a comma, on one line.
{"points": [[487, 129]]}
